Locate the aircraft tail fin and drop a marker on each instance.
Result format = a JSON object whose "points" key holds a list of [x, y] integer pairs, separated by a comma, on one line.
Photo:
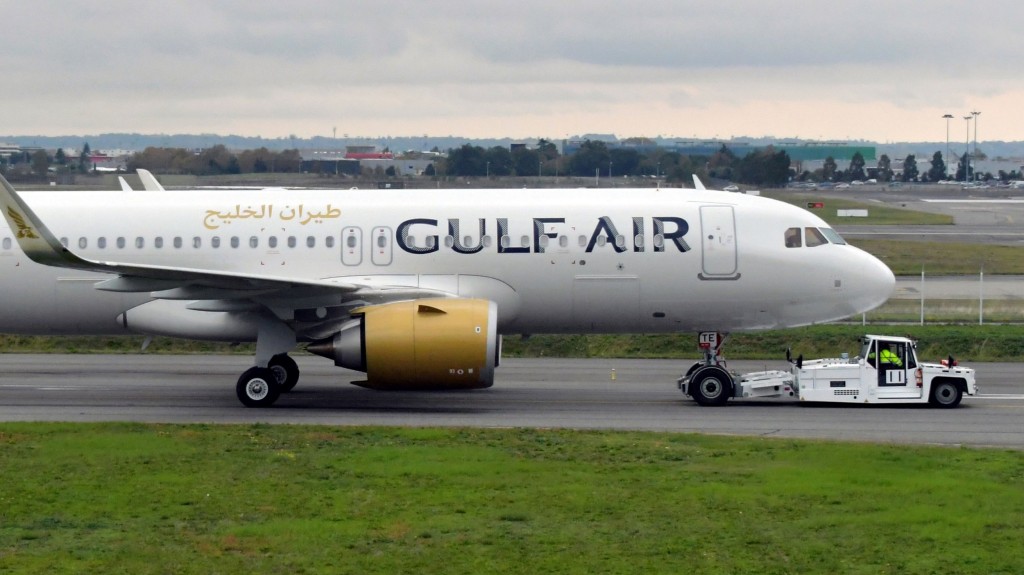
{"points": [[149, 182], [32, 235]]}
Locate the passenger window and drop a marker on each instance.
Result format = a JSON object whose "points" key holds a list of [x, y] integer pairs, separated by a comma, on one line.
{"points": [[64, 242], [140, 243], [351, 241], [544, 241], [620, 241], [524, 241], [382, 242], [272, 242], [254, 242], [292, 242], [659, 241], [583, 241], [638, 241], [101, 243], [215, 242], [197, 242], [235, 242], [814, 237], [487, 241], [601, 241], [793, 238], [121, 243], [83, 243], [329, 241], [158, 242], [563, 241], [177, 241], [7, 243], [505, 241], [449, 242], [310, 242]]}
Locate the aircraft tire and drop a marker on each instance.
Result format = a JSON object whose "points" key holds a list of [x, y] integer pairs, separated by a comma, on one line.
{"points": [[946, 394], [285, 370], [711, 385], [257, 387]]}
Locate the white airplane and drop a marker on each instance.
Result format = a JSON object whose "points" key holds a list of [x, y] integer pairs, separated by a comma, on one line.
{"points": [[415, 287]]}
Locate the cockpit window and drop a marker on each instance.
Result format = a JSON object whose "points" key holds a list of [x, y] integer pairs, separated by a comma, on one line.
{"points": [[833, 236], [814, 237], [793, 238]]}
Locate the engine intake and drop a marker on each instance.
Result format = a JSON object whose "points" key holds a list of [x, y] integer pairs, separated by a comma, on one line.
{"points": [[419, 344]]}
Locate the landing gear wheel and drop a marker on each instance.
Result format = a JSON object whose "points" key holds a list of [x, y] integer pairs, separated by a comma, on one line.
{"points": [[711, 385], [258, 387], [945, 394], [285, 370]]}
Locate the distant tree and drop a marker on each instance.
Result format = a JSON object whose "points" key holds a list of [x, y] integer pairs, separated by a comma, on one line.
{"points": [[884, 168], [391, 171], [85, 158], [910, 168], [59, 157], [764, 168], [498, 161], [857, 167], [467, 160], [938, 170], [40, 163], [526, 162], [722, 164], [829, 169], [962, 166], [591, 158], [429, 171], [624, 161]]}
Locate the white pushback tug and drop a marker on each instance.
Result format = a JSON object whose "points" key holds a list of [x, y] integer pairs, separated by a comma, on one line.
{"points": [[886, 371]]}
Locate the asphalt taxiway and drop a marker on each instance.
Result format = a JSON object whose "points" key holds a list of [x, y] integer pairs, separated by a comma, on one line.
{"points": [[545, 393]]}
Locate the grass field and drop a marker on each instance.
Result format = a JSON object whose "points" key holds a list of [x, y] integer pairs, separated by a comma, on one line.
{"points": [[287, 499], [966, 342], [878, 214]]}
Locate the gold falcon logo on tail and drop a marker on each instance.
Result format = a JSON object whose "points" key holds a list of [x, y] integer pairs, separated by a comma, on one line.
{"points": [[24, 230]]}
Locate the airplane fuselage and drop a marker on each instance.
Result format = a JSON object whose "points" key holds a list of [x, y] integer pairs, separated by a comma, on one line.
{"points": [[555, 261]]}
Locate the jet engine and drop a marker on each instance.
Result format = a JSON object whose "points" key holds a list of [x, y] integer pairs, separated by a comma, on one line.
{"points": [[419, 344]]}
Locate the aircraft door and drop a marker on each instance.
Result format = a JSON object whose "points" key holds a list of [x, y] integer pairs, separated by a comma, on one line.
{"points": [[351, 246], [718, 241], [382, 246]]}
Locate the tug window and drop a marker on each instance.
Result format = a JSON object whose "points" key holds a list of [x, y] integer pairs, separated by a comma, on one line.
{"points": [[793, 238]]}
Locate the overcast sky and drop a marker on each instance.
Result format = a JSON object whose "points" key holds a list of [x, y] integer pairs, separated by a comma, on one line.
{"points": [[875, 70]]}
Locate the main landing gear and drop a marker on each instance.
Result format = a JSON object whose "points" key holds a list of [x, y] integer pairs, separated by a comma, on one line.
{"points": [[261, 386], [708, 382]]}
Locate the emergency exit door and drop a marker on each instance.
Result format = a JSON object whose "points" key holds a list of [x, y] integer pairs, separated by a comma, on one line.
{"points": [[718, 241]]}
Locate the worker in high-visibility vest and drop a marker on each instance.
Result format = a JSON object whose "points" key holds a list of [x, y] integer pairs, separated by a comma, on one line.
{"points": [[887, 356]]}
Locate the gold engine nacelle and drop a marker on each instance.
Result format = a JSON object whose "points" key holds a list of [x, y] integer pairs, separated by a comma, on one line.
{"points": [[419, 344]]}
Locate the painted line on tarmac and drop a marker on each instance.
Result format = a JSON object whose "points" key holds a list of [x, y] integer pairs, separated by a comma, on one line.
{"points": [[1000, 396]]}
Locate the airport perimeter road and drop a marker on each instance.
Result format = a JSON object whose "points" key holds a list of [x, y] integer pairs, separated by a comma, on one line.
{"points": [[566, 393]]}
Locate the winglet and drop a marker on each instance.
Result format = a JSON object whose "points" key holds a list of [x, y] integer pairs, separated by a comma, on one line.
{"points": [[124, 185], [149, 182], [697, 184], [34, 238]]}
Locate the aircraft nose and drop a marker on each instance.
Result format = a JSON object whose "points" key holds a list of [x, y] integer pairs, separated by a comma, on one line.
{"points": [[872, 283]]}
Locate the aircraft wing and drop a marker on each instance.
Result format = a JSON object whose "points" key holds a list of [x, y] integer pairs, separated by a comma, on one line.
{"points": [[164, 282]]}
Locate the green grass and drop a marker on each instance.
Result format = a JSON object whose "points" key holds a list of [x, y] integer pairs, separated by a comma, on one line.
{"points": [[966, 342], [287, 499], [945, 258], [878, 213]]}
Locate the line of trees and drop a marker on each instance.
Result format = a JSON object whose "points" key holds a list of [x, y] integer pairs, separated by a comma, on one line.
{"points": [[215, 160]]}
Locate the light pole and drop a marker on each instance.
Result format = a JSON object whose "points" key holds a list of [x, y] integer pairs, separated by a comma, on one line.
{"points": [[967, 150], [948, 117], [488, 170], [975, 114]]}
